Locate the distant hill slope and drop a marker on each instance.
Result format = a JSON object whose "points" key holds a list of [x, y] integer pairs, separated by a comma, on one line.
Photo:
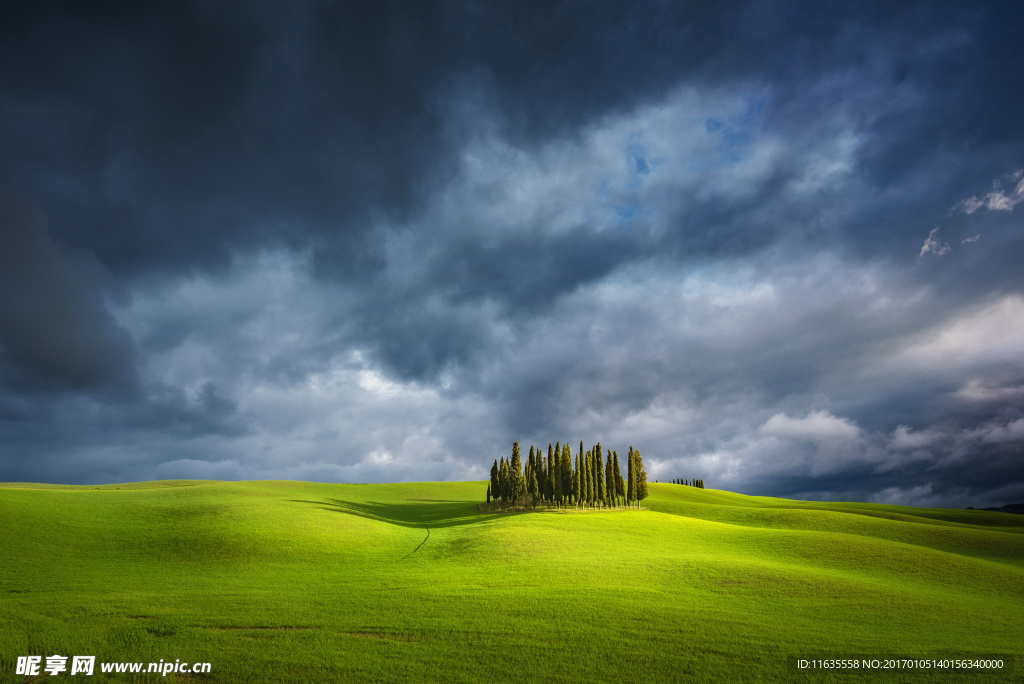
{"points": [[293, 581]]}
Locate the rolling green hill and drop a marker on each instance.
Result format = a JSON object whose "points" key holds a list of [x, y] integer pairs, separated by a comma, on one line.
{"points": [[303, 582]]}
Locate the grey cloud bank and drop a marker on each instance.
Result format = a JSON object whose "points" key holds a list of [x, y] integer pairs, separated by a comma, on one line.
{"points": [[772, 245]]}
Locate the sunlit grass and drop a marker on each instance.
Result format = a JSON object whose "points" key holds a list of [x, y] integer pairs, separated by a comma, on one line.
{"points": [[293, 581]]}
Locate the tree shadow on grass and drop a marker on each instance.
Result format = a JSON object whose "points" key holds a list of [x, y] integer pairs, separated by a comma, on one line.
{"points": [[430, 513]]}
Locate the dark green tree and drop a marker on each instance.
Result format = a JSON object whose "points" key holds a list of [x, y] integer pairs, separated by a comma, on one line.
{"points": [[494, 479], [556, 479], [516, 480], [565, 476], [609, 482], [585, 480], [602, 491], [641, 477], [551, 478], [576, 485], [630, 479], [533, 488], [620, 485], [542, 476], [503, 481], [488, 495]]}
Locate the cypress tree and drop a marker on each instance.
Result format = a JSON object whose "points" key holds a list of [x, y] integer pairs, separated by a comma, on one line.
{"points": [[584, 480], [565, 475], [591, 490], [588, 471], [593, 480], [561, 481], [542, 473], [609, 487], [539, 474], [503, 487], [641, 477], [494, 479], [531, 469], [557, 481], [588, 496], [488, 495], [550, 479], [602, 491], [630, 480], [516, 481], [539, 470], [616, 478], [576, 481], [549, 491], [533, 489], [620, 490]]}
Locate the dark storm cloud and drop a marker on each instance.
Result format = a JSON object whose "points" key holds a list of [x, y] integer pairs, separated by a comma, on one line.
{"points": [[225, 126], [378, 241], [55, 331]]}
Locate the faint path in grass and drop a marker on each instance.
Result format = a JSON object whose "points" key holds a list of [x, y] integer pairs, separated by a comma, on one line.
{"points": [[417, 548]]}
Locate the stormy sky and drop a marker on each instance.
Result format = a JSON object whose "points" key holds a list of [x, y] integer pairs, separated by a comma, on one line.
{"points": [[776, 245]]}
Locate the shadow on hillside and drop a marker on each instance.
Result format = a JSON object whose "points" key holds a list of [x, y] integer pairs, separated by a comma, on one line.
{"points": [[430, 513]]}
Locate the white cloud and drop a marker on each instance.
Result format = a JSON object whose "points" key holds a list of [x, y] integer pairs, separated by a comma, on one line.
{"points": [[903, 438], [817, 426], [973, 238], [997, 200], [999, 434], [992, 334], [933, 246], [982, 391]]}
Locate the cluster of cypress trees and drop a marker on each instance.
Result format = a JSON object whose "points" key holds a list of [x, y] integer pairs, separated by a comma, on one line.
{"points": [[594, 480], [698, 482]]}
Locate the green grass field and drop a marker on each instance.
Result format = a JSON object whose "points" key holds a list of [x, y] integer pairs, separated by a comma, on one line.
{"points": [[304, 582]]}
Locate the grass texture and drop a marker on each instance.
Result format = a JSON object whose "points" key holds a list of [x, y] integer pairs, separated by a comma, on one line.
{"points": [[301, 582]]}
